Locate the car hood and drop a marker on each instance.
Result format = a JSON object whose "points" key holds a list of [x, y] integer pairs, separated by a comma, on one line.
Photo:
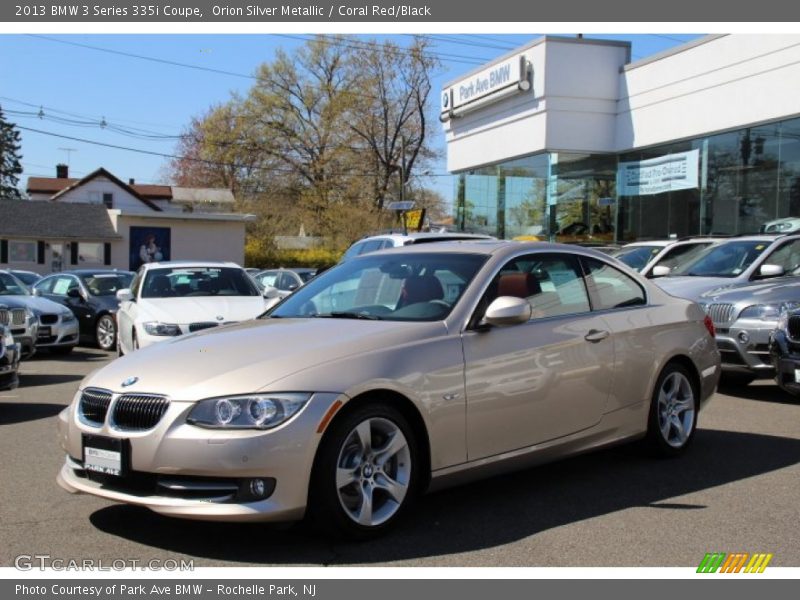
{"points": [[201, 308], [691, 288], [35, 303], [762, 292], [244, 358]]}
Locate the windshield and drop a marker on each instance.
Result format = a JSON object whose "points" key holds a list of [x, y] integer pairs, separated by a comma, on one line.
{"points": [[399, 287], [11, 286], [728, 259], [638, 256], [106, 284], [179, 282], [682, 254], [27, 278]]}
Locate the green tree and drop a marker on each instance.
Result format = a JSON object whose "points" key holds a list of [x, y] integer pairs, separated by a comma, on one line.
{"points": [[10, 167], [317, 141]]}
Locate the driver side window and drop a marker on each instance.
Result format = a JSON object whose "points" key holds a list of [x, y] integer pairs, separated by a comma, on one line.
{"points": [[551, 283]]}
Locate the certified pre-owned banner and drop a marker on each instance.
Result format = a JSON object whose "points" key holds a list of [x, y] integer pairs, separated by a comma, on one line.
{"points": [[657, 175]]}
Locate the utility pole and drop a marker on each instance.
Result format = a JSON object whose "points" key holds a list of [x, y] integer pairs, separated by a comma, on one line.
{"points": [[402, 168]]}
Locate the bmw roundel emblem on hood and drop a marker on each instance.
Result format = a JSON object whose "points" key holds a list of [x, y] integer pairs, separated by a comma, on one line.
{"points": [[129, 381], [220, 318]]}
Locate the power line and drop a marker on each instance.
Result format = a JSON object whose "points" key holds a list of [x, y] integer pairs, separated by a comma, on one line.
{"points": [[358, 45], [200, 160], [142, 57]]}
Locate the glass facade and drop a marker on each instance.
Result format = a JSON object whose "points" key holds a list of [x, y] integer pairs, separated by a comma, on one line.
{"points": [[727, 183]]}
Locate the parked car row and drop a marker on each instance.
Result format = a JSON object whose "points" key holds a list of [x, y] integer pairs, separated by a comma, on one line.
{"points": [[745, 284]]}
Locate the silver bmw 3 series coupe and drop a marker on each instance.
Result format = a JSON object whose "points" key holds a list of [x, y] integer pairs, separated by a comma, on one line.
{"points": [[391, 374]]}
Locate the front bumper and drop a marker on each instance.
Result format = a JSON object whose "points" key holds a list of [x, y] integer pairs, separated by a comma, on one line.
{"points": [[744, 347], [55, 333], [9, 365], [785, 357], [182, 464]]}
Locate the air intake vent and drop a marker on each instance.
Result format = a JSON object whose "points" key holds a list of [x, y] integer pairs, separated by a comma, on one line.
{"points": [[139, 411], [94, 405], [794, 327], [720, 313]]}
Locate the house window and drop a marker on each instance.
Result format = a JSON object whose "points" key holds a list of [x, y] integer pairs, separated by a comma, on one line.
{"points": [[108, 200], [21, 251], [91, 252]]}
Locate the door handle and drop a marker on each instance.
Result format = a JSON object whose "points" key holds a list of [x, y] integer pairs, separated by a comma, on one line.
{"points": [[596, 335]]}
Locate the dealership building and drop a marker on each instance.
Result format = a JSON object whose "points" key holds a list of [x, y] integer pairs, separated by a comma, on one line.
{"points": [[568, 139]]}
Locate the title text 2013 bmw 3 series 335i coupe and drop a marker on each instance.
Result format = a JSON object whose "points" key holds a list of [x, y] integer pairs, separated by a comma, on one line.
{"points": [[394, 373]]}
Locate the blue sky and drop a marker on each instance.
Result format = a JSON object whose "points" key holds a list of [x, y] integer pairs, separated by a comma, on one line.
{"points": [[151, 99]]}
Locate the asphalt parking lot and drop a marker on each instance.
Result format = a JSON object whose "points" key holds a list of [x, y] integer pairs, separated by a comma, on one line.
{"points": [[736, 490]]}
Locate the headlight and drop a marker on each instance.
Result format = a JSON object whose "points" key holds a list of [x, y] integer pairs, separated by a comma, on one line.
{"points": [[254, 411], [767, 312], [158, 328], [67, 317]]}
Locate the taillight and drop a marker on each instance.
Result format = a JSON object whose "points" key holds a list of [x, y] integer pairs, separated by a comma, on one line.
{"points": [[710, 326]]}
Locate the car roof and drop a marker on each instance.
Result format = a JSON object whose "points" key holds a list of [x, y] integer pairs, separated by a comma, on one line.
{"points": [[90, 272], [426, 235], [487, 247], [189, 264]]}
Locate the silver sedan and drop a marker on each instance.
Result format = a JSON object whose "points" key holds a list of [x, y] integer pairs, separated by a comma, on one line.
{"points": [[394, 373]]}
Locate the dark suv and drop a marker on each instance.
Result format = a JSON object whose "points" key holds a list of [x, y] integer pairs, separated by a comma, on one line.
{"points": [[784, 349]]}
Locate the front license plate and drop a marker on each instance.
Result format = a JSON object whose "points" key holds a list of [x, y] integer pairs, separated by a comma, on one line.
{"points": [[105, 455], [44, 332]]}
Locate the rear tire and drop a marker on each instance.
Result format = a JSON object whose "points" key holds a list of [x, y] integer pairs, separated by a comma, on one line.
{"points": [[672, 421], [366, 473]]}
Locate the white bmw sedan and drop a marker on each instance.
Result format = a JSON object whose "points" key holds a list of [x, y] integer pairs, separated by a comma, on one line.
{"points": [[169, 299]]}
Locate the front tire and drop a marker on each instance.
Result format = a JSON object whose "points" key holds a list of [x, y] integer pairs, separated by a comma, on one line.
{"points": [[366, 473], [673, 412], [106, 333]]}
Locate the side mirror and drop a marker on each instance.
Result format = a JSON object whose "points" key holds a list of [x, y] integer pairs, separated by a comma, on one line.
{"points": [[660, 271], [75, 294], [271, 292], [124, 295], [36, 292], [771, 271], [507, 310], [293, 287]]}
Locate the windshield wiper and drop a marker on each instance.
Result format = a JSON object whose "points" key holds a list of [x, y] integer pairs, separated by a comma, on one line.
{"points": [[350, 315]]}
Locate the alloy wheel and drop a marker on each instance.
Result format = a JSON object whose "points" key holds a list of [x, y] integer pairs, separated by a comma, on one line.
{"points": [[676, 407], [373, 472]]}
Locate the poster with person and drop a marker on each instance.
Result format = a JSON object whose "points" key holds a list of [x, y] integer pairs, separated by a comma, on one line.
{"points": [[148, 244]]}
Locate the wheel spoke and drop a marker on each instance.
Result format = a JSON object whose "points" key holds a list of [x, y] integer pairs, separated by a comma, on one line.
{"points": [[395, 489], [393, 445], [345, 476], [678, 425], [364, 516], [684, 405], [665, 428], [364, 433]]}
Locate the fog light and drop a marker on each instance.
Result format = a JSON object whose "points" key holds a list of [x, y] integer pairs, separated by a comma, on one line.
{"points": [[258, 488], [743, 337]]}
